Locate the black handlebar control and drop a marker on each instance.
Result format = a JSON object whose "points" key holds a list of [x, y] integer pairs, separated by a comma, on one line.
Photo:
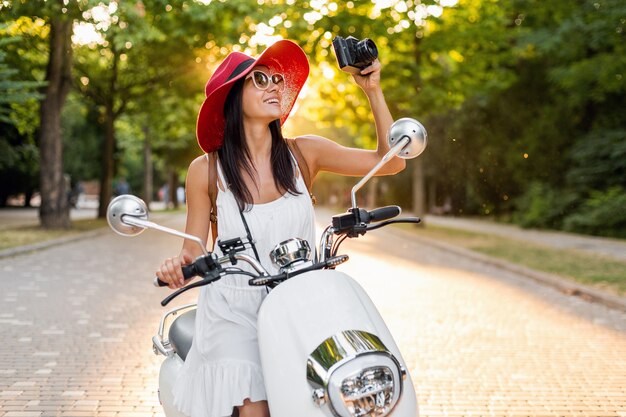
{"points": [[355, 221], [189, 271], [383, 213], [202, 266]]}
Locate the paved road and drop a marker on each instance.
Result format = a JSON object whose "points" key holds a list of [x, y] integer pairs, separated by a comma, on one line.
{"points": [[78, 319], [612, 248]]}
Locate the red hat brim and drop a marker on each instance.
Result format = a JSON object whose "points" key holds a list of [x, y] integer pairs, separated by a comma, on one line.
{"points": [[283, 56]]}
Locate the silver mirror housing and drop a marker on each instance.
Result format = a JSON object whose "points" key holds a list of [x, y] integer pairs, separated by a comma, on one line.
{"points": [[126, 205], [414, 130]]}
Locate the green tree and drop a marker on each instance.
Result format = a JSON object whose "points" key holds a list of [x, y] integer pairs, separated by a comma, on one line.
{"points": [[59, 16], [18, 152], [145, 50]]}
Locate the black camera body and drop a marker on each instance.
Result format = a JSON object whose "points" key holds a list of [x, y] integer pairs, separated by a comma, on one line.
{"points": [[354, 55]]}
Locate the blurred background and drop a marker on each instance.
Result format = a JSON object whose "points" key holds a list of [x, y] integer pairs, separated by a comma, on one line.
{"points": [[524, 101]]}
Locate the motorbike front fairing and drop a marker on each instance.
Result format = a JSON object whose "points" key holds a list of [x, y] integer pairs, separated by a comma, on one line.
{"points": [[325, 350]]}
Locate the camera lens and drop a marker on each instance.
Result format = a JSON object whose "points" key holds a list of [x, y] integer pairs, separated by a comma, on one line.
{"points": [[366, 51]]}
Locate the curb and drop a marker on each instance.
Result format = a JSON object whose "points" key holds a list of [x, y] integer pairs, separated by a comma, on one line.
{"points": [[563, 285], [20, 250]]}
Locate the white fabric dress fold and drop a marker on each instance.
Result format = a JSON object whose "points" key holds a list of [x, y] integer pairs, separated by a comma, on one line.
{"points": [[223, 366]]}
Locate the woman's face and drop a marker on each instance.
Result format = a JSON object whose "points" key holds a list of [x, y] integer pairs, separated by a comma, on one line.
{"points": [[262, 94]]}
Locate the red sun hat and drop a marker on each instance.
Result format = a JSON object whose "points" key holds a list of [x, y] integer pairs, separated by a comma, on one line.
{"points": [[284, 57]]}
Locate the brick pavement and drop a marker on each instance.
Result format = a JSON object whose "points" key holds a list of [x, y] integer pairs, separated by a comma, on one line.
{"points": [[78, 319], [480, 341]]}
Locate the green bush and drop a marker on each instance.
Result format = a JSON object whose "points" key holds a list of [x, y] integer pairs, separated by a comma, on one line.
{"points": [[603, 213], [543, 206]]}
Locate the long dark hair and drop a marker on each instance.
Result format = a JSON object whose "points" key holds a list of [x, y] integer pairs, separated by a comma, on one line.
{"points": [[235, 156]]}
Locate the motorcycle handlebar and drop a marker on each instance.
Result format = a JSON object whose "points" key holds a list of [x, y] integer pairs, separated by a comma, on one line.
{"points": [[189, 271], [209, 264]]}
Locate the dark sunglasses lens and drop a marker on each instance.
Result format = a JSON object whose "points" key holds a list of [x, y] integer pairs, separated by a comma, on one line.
{"points": [[260, 79], [277, 79]]}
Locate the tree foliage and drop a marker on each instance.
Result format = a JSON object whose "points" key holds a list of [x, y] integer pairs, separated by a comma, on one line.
{"points": [[523, 99]]}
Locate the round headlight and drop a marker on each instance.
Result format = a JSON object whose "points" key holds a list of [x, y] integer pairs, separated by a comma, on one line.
{"points": [[369, 385], [353, 374]]}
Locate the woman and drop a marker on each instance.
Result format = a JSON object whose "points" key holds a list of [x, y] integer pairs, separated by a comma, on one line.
{"points": [[261, 188]]}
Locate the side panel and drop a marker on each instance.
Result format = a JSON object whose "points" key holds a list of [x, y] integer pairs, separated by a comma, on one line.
{"points": [[296, 317], [170, 368]]}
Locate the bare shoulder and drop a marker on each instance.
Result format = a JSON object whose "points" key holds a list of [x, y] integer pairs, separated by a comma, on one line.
{"points": [[197, 175], [200, 162]]}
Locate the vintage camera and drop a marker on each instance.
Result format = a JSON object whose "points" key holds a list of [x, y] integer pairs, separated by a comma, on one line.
{"points": [[354, 55]]}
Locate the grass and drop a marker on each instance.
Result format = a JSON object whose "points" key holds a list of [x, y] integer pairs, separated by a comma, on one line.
{"points": [[595, 270], [28, 235]]}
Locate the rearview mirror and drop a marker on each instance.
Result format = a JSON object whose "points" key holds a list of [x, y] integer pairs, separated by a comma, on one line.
{"points": [[408, 128], [126, 205]]}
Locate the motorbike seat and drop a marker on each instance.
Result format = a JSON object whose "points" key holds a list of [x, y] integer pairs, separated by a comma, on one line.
{"points": [[181, 333]]}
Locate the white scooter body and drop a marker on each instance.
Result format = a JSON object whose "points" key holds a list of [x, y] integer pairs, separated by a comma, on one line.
{"points": [[295, 318], [170, 369]]}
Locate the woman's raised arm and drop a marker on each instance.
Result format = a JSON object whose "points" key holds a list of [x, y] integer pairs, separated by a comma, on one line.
{"points": [[322, 154]]}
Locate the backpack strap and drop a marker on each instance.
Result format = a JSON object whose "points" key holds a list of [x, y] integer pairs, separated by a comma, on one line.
{"points": [[302, 165], [212, 164]]}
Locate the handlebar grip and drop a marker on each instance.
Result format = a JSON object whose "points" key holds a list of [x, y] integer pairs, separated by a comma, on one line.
{"points": [[384, 213], [189, 271], [158, 283]]}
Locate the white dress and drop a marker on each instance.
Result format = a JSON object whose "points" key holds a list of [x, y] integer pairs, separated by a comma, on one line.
{"points": [[223, 365]]}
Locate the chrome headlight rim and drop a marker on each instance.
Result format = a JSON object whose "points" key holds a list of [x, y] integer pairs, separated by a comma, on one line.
{"points": [[336, 398], [348, 354]]}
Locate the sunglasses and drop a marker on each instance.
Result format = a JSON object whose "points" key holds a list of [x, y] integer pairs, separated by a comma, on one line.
{"points": [[262, 81]]}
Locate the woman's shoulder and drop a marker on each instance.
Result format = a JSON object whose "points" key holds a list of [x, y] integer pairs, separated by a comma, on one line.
{"points": [[199, 162], [197, 174]]}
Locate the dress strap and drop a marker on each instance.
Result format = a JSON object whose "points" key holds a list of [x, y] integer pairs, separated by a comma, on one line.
{"points": [[220, 174], [212, 190], [294, 150]]}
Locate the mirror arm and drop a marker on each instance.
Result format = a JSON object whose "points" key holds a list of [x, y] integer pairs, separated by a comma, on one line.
{"points": [[392, 152], [145, 224]]}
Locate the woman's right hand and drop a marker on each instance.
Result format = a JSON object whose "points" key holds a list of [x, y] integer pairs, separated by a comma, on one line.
{"points": [[171, 270]]}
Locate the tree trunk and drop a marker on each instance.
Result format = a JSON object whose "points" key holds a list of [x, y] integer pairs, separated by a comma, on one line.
{"points": [[106, 177], [419, 183], [372, 193], [54, 211], [108, 151], [419, 194], [432, 196], [173, 185], [147, 166]]}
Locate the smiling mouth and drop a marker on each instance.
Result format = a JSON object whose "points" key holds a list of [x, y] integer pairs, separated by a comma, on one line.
{"points": [[271, 101]]}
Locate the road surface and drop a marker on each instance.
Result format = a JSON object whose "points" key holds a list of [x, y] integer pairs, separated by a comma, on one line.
{"points": [[78, 319]]}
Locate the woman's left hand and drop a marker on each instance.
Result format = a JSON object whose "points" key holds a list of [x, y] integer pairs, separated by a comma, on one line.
{"points": [[369, 79]]}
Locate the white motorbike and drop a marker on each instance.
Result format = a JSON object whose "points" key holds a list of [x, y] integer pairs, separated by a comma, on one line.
{"points": [[325, 349]]}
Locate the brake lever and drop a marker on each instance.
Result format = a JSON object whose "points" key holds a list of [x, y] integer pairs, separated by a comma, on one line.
{"points": [[414, 220], [212, 277]]}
